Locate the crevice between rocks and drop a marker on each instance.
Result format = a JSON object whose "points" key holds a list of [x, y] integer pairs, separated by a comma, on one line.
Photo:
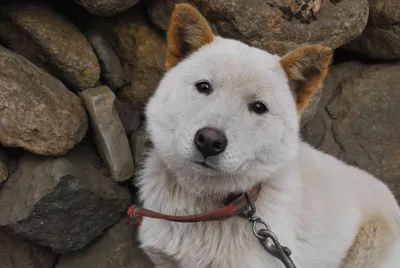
{"points": [[331, 117], [56, 260], [334, 137], [342, 55]]}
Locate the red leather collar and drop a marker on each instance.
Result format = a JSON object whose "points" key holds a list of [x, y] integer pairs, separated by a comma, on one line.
{"points": [[236, 207]]}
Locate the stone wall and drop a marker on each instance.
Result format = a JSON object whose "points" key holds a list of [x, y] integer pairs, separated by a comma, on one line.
{"points": [[74, 79]]}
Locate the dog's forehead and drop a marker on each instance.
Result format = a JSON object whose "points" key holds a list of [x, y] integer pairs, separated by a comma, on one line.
{"points": [[233, 65]]}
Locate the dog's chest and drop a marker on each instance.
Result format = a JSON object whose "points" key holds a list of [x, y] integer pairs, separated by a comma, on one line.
{"points": [[228, 243]]}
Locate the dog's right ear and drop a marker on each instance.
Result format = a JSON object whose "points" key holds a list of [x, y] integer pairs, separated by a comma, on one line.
{"points": [[188, 31], [306, 68]]}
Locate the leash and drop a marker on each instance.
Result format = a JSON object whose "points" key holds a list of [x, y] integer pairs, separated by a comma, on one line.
{"points": [[238, 207]]}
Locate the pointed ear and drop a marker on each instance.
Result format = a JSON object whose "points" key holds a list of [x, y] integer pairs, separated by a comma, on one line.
{"points": [[188, 31], [306, 69]]}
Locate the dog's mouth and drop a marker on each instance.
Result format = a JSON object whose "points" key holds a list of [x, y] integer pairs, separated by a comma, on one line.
{"points": [[203, 164]]}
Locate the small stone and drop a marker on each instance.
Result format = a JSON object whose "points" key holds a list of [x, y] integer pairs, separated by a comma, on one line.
{"points": [[118, 247], [140, 144], [62, 203], [38, 113], [139, 45], [106, 7], [112, 71], [358, 119], [3, 167], [60, 44], [277, 26], [109, 134], [16, 253]]}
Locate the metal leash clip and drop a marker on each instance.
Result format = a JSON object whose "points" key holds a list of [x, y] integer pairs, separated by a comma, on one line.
{"points": [[268, 239]]}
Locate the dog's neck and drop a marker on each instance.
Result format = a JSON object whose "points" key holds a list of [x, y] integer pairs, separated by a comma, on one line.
{"points": [[161, 191]]}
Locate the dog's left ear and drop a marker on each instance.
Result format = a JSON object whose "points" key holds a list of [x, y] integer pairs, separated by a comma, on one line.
{"points": [[188, 31], [306, 69]]}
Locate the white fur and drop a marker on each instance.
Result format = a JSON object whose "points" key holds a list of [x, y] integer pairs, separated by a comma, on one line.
{"points": [[313, 202]]}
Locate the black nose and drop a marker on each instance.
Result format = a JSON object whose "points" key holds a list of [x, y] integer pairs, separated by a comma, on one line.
{"points": [[210, 141]]}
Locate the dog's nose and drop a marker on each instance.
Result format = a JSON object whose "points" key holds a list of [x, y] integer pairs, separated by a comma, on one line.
{"points": [[210, 141]]}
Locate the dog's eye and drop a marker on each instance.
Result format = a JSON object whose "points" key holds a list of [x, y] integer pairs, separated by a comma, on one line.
{"points": [[258, 107], [203, 87]]}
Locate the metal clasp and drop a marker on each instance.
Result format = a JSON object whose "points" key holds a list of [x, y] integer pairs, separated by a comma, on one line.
{"points": [[271, 243]]}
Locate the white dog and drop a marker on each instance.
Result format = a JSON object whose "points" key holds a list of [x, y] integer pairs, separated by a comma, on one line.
{"points": [[224, 120]]}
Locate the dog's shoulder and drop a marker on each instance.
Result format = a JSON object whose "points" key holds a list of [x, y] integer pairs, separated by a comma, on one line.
{"points": [[322, 171]]}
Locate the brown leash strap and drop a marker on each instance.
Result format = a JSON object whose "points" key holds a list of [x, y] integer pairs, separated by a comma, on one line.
{"points": [[236, 207]]}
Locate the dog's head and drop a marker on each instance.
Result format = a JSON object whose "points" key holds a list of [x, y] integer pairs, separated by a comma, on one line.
{"points": [[226, 115]]}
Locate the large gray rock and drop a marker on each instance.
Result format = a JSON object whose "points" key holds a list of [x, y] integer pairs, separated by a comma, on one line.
{"points": [[358, 119], [16, 253], [51, 41], [62, 203], [3, 167], [109, 133], [381, 37], [117, 248], [275, 25], [106, 7], [37, 112]]}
